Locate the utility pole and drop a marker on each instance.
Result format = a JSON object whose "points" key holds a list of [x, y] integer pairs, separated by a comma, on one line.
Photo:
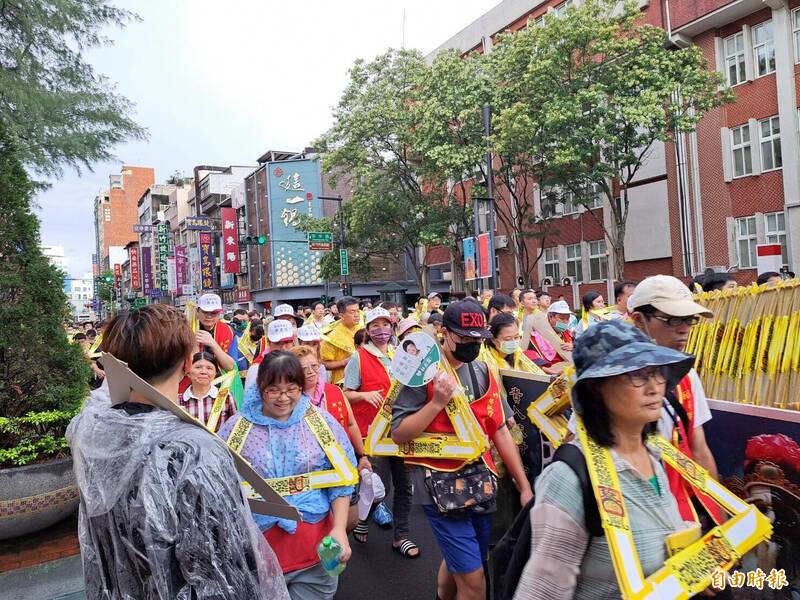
{"points": [[487, 128], [342, 244]]}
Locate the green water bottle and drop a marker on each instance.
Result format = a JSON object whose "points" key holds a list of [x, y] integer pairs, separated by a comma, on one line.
{"points": [[329, 551]]}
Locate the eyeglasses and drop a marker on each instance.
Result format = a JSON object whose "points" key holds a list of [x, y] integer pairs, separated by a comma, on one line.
{"points": [[275, 393], [677, 321], [311, 369], [642, 376]]}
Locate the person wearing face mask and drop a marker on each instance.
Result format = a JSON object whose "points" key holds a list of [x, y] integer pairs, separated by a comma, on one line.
{"points": [[543, 353], [462, 530], [366, 383]]}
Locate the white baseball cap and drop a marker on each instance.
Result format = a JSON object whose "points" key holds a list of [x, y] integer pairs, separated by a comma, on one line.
{"points": [[280, 331], [308, 333], [286, 310], [667, 294], [378, 313], [210, 303], [559, 307]]}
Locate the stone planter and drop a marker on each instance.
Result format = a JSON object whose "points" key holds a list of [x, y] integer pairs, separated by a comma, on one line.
{"points": [[35, 497]]}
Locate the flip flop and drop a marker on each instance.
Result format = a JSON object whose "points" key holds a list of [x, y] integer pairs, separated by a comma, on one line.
{"points": [[405, 549], [361, 532]]}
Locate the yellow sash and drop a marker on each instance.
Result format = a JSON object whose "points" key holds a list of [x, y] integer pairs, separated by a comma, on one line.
{"points": [[247, 346], [546, 412], [689, 571], [92, 352], [191, 315], [225, 381], [343, 472], [468, 443]]}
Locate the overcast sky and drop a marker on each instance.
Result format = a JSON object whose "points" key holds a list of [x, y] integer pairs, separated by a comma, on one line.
{"points": [[222, 82]]}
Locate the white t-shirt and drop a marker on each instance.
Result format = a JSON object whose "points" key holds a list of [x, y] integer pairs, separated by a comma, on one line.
{"points": [[702, 413]]}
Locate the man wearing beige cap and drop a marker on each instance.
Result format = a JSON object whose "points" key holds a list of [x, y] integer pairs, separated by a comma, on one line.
{"points": [[663, 307]]}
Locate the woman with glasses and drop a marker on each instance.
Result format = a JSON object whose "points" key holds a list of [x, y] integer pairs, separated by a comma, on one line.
{"points": [[621, 381], [280, 433]]}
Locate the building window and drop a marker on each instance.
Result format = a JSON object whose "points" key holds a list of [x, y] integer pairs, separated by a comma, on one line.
{"points": [[539, 21], [598, 260], [740, 146], [574, 266], [551, 268], [107, 213], [796, 33], [764, 48], [561, 9], [770, 131], [775, 230], [746, 241], [734, 59]]}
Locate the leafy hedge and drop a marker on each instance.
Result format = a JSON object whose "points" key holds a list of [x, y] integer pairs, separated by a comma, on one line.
{"points": [[43, 377]]}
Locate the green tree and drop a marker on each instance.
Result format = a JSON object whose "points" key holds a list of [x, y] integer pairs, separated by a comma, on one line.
{"points": [[56, 107], [358, 257], [589, 94], [43, 377], [392, 212]]}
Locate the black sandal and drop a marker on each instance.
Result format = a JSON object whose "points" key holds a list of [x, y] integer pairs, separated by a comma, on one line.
{"points": [[405, 549], [361, 532]]}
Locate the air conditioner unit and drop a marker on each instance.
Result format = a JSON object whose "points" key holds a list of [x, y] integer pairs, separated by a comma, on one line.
{"points": [[680, 41], [558, 208], [500, 242], [546, 282], [717, 269], [566, 281]]}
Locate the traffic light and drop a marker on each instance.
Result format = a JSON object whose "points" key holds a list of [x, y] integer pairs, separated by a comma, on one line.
{"points": [[108, 278], [347, 289], [254, 240]]}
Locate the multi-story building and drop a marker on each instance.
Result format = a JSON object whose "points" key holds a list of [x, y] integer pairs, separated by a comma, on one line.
{"points": [[152, 208], [80, 292], [115, 211], [55, 254], [709, 199]]}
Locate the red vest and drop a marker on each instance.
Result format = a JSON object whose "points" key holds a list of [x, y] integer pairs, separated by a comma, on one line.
{"points": [[374, 377], [682, 491], [223, 335], [489, 412], [336, 404], [298, 550]]}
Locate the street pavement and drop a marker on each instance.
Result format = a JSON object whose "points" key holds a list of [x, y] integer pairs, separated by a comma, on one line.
{"points": [[376, 571]]}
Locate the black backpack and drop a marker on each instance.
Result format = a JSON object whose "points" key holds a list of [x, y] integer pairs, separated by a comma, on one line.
{"points": [[513, 550]]}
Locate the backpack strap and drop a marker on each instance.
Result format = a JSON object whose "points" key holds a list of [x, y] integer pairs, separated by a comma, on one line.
{"points": [[572, 456]]}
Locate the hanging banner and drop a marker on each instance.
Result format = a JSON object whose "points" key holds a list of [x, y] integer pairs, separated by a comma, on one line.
{"points": [[163, 253], [226, 280], [147, 270], [485, 256], [470, 262], [171, 275], [194, 268], [206, 262], [180, 267], [230, 240], [133, 257]]}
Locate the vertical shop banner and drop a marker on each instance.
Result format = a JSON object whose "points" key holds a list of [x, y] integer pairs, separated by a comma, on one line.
{"points": [[226, 280], [206, 262], [147, 270], [163, 254], [470, 268], [171, 275], [485, 256], [194, 270], [230, 240], [294, 189], [180, 267], [117, 273], [133, 258]]}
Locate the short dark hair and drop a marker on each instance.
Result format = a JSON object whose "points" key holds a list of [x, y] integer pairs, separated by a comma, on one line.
{"points": [[764, 277], [588, 298], [343, 303], [207, 356], [361, 337], [619, 288], [239, 311], [408, 343], [435, 317], [314, 305], [596, 417], [154, 340], [256, 331], [91, 332], [253, 313], [500, 302], [78, 336], [280, 366], [697, 281], [388, 304], [524, 292], [543, 293], [716, 281], [500, 321]]}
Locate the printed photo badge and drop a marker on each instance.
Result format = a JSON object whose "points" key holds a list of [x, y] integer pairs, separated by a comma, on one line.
{"points": [[416, 360]]}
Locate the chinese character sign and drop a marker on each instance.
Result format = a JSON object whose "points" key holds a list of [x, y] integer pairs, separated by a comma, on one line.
{"points": [[226, 279], [133, 257], [171, 275], [485, 256], [147, 270], [206, 262], [470, 272], [163, 253], [294, 187], [230, 240], [180, 266]]}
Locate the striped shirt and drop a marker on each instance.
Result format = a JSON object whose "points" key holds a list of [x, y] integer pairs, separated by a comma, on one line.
{"points": [[200, 408], [565, 562]]}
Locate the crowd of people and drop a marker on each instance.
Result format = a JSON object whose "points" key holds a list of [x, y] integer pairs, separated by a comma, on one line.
{"points": [[295, 393]]}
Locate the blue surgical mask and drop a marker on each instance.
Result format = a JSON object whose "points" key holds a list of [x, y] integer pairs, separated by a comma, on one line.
{"points": [[561, 327], [509, 346]]}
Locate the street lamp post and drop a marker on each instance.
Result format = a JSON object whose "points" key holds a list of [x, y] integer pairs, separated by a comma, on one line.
{"points": [[342, 245]]}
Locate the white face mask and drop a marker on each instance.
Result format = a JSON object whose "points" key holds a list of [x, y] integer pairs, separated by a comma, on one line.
{"points": [[509, 346]]}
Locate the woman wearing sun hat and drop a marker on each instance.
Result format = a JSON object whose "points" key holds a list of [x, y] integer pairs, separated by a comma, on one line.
{"points": [[621, 381]]}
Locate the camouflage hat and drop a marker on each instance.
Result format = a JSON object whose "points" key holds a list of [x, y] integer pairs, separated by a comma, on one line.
{"points": [[615, 347]]}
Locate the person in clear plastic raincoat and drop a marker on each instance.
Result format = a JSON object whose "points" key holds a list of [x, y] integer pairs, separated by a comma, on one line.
{"points": [[162, 514]]}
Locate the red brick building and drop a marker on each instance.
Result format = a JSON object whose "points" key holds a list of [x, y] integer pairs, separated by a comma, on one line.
{"points": [[115, 211], [709, 199]]}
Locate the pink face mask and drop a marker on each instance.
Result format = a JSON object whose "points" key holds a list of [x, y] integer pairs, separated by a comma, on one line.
{"points": [[380, 335], [393, 319]]}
